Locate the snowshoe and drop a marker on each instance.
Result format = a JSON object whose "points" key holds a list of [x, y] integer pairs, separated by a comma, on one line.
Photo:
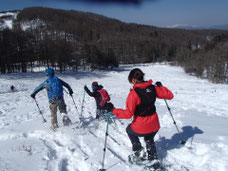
{"points": [[138, 157], [66, 120], [154, 165]]}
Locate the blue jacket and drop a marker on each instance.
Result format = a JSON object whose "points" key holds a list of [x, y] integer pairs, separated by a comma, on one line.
{"points": [[54, 87]]}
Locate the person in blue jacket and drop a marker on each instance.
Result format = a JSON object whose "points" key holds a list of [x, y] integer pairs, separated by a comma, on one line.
{"points": [[54, 87]]}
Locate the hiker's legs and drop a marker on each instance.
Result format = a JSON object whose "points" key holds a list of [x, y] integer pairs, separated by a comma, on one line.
{"points": [[62, 107], [136, 145], [53, 108], [98, 113], [151, 147]]}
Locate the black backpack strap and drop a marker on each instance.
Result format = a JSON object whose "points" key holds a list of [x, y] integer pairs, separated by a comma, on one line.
{"points": [[148, 98]]}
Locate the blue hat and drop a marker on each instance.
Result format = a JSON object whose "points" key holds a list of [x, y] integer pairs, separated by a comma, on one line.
{"points": [[50, 72]]}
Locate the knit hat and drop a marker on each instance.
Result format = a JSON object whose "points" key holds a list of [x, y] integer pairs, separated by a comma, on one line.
{"points": [[50, 72], [95, 83]]}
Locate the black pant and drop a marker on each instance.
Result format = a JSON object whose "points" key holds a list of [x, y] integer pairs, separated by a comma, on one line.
{"points": [[149, 139]]}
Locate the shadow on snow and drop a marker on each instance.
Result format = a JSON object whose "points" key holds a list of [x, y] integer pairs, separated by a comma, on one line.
{"points": [[163, 144]]}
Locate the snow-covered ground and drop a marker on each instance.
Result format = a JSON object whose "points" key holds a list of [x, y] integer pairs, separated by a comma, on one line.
{"points": [[199, 108]]}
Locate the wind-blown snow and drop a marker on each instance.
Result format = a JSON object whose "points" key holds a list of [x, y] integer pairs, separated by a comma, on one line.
{"points": [[199, 108]]}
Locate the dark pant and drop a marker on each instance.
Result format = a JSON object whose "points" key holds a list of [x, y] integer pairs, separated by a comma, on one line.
{"points": [[100, 112], [149, 139]]}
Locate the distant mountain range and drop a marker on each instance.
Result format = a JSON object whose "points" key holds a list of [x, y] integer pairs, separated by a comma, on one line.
{"points": [[73, 39], [6, 19], [221, 27], [190, 27]]}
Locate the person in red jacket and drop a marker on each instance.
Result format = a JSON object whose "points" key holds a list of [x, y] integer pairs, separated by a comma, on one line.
{"points": [[141, 105]]}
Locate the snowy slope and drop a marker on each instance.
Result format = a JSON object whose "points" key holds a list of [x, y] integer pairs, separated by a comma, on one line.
{"points": [[199, 108], [7, 23]]}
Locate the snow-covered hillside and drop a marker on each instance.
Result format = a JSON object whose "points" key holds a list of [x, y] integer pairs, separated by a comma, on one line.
{"points": [[199, 108], [6, 19]]}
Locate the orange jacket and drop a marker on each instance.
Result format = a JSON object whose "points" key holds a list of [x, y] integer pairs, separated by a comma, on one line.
{"points": [[142, 125]]}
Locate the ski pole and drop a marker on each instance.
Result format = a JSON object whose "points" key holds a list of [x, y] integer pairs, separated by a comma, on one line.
{"points": [[106, 135], [74, 103], [72, 99], [44, 120], [181, 140], [82, 104]]}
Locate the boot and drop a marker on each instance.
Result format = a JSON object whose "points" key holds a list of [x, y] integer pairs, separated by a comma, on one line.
{"points": [[54, 126], [151, 150], [152, 154], [97, 116]]}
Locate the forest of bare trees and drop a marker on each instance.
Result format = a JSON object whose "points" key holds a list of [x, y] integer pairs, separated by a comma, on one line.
{"points": [[69, 40]]}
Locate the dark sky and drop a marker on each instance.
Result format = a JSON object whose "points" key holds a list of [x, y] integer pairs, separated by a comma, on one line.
{"points": [[149, 12]]}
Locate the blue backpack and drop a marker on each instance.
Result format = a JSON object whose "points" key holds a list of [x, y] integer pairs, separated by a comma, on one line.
{"points": [[54, 87]]}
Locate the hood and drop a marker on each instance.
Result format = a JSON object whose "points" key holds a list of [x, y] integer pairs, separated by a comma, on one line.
{"points": [[143, 85]]}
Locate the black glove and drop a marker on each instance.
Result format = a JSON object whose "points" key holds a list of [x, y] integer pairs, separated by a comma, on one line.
{"points": [[71, 92], [158, 83], [109, 107], [86, 88], [33, 96]]}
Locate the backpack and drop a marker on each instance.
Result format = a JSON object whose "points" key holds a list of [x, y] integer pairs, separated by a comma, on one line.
{"points": [[104, 97], [55, 88], [148, 98]]}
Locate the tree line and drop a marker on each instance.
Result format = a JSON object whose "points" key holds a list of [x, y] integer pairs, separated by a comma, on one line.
{"points": [[69, 40]]}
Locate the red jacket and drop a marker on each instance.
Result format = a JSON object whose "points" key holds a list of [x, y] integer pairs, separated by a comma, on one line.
{"points": [[142, 125]]}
